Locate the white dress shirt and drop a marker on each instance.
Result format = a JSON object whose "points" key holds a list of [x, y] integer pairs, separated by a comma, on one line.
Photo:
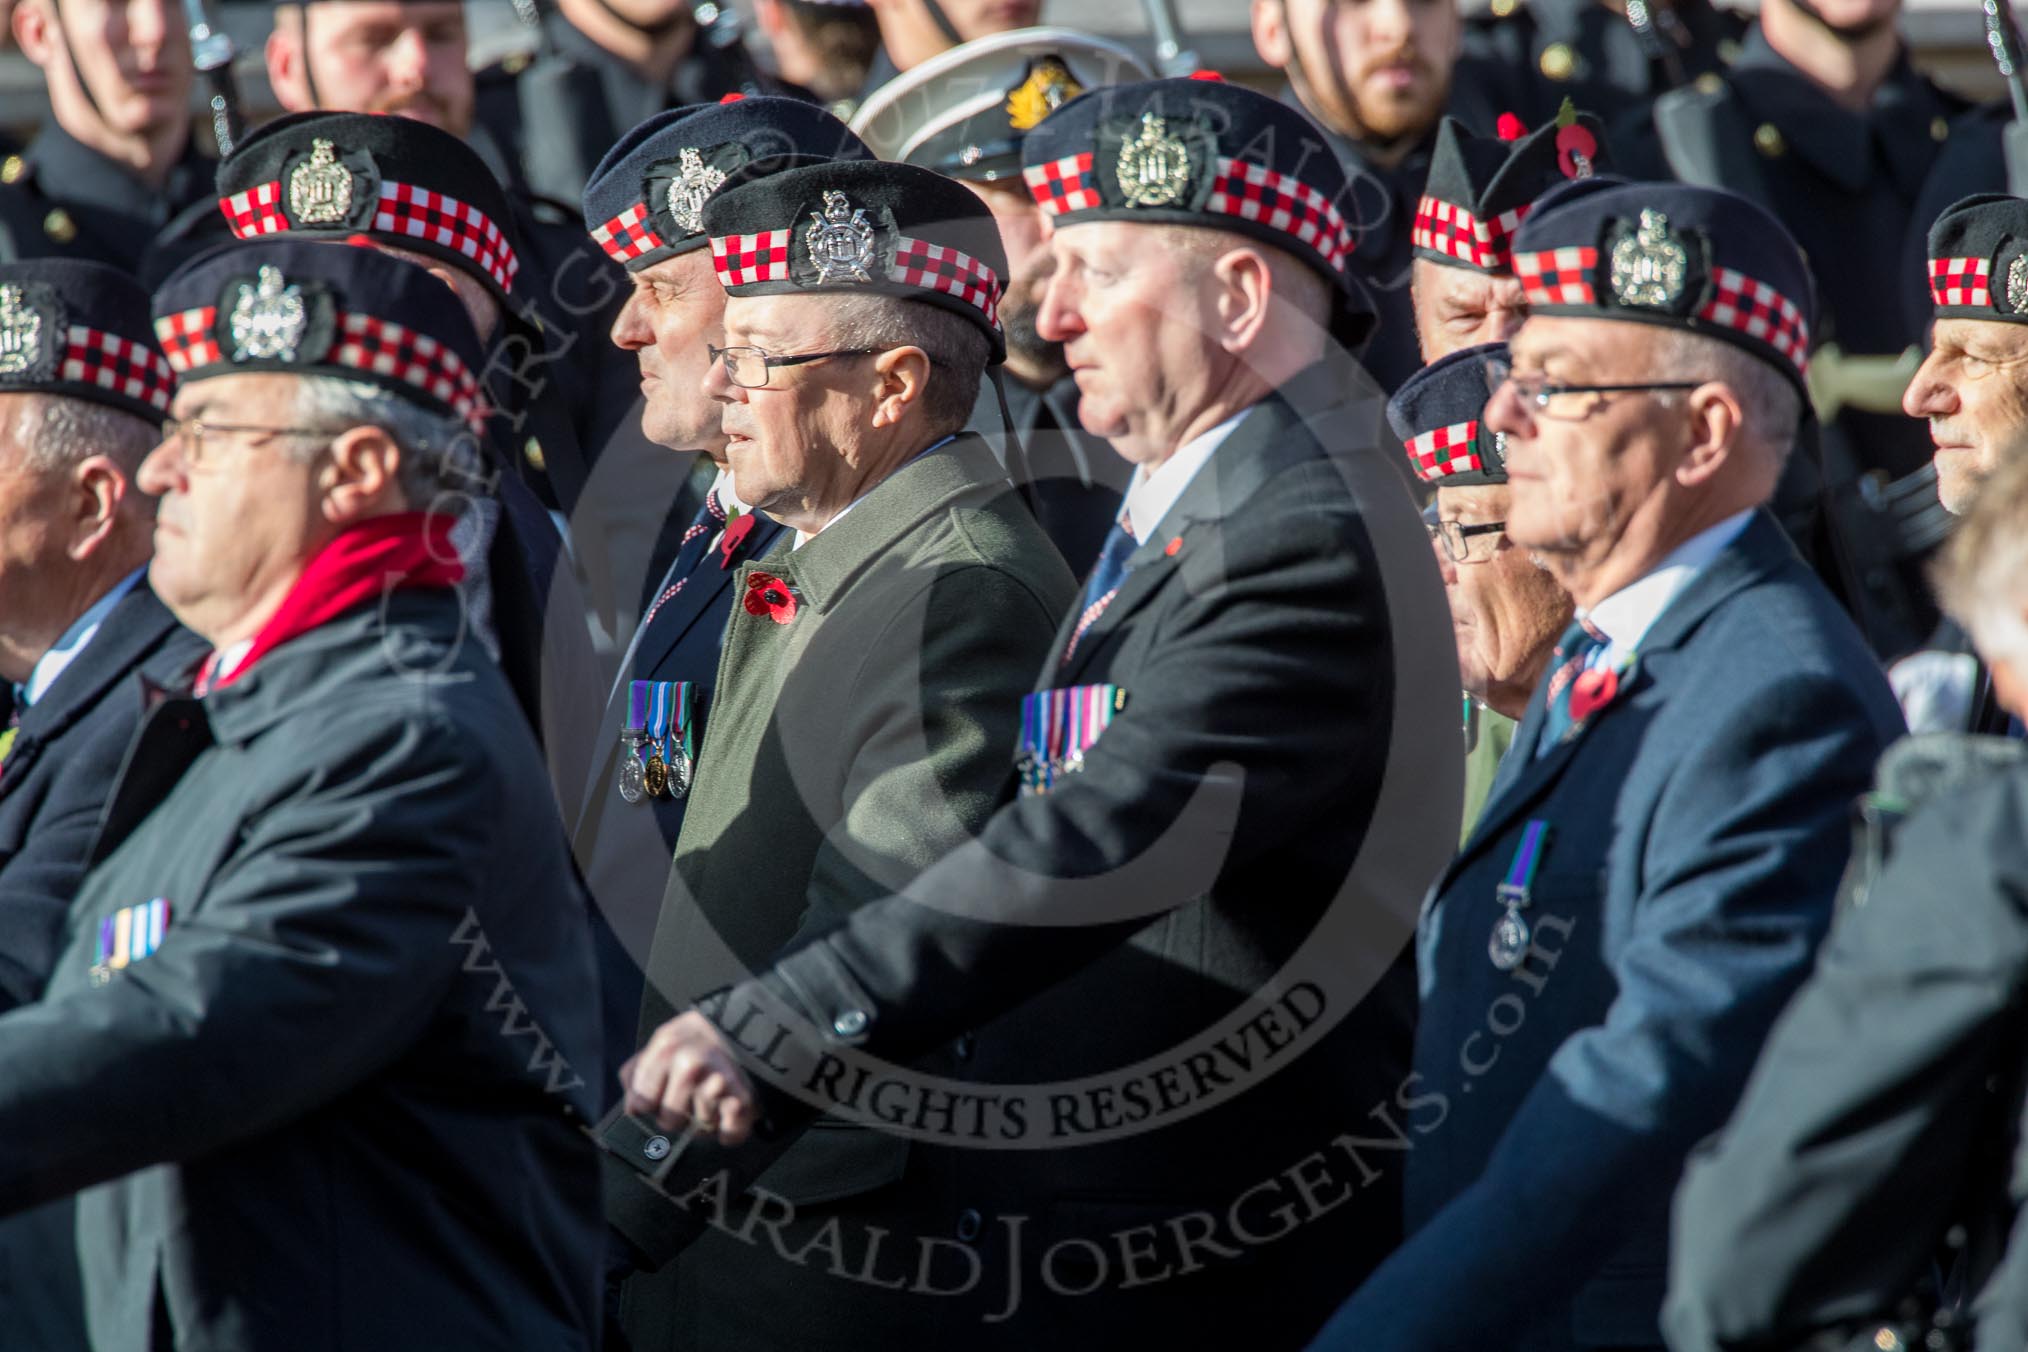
{"points": [[1628, 614], [1153, 493], [66, 649]]}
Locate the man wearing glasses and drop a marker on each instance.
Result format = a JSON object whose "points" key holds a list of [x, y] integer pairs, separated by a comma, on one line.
{"points": [[1661, 850], [868, 695], [314, 1045], [1506, 607]]}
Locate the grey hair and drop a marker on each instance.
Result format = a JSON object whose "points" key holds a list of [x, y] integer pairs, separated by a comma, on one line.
{"points": [[957, 349], [1771, 405], [1981, 576], [60, 432], [441, 460]]}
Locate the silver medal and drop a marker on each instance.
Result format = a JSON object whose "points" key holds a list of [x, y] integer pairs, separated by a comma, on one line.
{"points": [[633, 779], [1509, 944], [680, 771]]}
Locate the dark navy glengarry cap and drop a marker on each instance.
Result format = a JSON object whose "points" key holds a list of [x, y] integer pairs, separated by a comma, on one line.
{"points": [[1480, 188], [1201, 152], [645, 200], [1978, 259], [966, 112], [393, 179], [81, 329], [1436, 413], [310, 309], [833, 229], [1697, 259]]}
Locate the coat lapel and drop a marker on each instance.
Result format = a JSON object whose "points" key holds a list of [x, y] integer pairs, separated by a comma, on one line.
{"points": [[132, 631], [1269, 438], [707, 581], [1759, 551]]}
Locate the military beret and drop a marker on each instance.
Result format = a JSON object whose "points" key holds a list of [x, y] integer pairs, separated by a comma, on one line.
{"points": [[1697, 259], [644, 201], [965, 112], [1206, 153], [1436, 413], [832, 229], [1481, 188], [81, 329], [393, 179], [1978, 259], [313, 310]]}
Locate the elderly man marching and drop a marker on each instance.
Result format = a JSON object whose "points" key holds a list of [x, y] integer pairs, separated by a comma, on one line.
{"points": [[1237, 770], [1657, 861], [869, 687], [310, 1045], [1972, 390]]}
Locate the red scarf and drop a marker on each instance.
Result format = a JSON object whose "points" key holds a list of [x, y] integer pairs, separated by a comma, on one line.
{"points": [[361, 563]]}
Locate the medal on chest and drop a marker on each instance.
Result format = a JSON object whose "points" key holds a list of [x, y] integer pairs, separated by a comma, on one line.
{"points": [[1508, 945], [659, 760], [1058, 727]]}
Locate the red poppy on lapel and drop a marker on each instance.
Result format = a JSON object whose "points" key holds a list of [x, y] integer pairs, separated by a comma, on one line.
{"points": [[770, 596], [1592, 691], [734, 535]]}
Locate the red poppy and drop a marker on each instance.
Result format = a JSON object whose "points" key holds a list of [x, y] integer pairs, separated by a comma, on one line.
{"points": [[735, 533], [1510, 128], [1574, 144], [770, 596], [1592, 691]]}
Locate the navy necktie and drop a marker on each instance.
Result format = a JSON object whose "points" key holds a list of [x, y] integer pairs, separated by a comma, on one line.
{"points": [[1106, 576], [1575, 651], [696, 540]]}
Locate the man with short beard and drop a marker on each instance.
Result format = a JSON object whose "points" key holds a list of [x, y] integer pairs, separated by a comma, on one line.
{"points": [[1377, 77], [932, 116], [114, 162]]}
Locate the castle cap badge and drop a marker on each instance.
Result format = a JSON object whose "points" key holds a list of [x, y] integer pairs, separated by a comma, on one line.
{"points": [[20, 332], [320, 188], [840, 241], [1154, 167], [268, 319], [1649, 265], [694, 181]]}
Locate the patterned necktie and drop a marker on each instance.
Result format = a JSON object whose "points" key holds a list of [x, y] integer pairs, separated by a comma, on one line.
{"points": [[1106, 576], [710, 515], [1576, 651], [7, 737]]}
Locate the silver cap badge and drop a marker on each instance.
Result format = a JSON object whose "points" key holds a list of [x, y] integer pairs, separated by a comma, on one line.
{"points": [[1649, 266], [695, 181], [2017, 284], [320, 188], [1154, 167], [840, 240], [268, 319], [20, 332]]}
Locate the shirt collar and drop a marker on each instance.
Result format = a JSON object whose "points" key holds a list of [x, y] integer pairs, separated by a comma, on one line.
{"points": [[722, 485], [1628, 614], [1152, 494], [65, 650]]}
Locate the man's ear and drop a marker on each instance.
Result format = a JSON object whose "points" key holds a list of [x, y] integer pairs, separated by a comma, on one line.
{"points": [[900, 375], [285, 56], [1717, 432], [1245, 296], [98, 487], [359, 477], [30, 22], [1271, 33]]}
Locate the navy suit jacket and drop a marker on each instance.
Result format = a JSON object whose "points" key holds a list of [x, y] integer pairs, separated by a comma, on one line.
{"points": [[1699, 825], [64, 760], [624, 849]]}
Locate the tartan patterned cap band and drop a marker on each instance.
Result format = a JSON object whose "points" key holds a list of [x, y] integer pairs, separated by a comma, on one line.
{"points": [[405, 212]]}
